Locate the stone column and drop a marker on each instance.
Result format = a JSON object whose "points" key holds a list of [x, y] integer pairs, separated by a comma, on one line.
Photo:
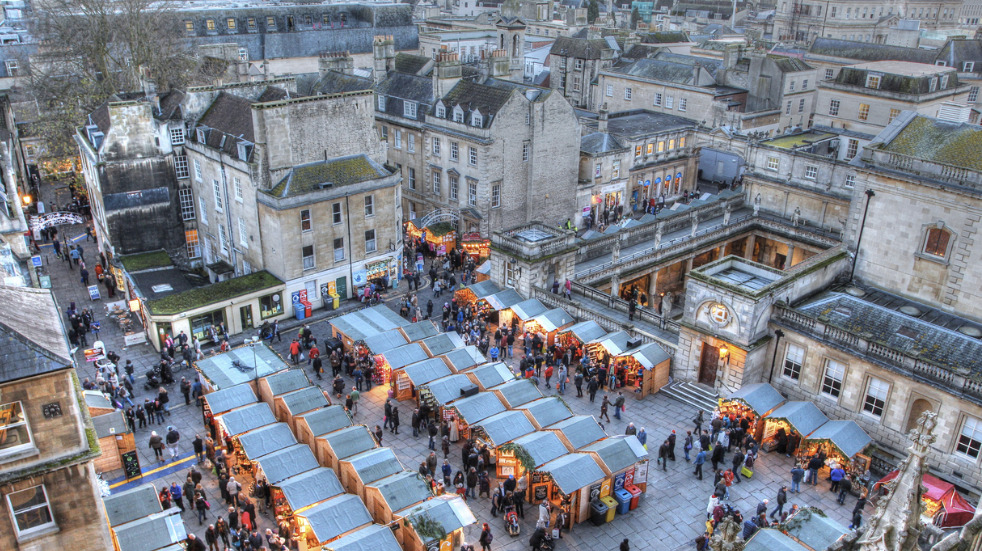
{"points": [[615, 285], [653, 287], [790, 261], [688, 264], [748, 253]]}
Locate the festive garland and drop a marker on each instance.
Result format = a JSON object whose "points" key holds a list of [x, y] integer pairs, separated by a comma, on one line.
{"points": [[523, 456], [426, 528]]}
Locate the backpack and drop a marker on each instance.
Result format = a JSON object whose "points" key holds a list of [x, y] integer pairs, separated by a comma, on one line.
{"points": [[490, 538]]}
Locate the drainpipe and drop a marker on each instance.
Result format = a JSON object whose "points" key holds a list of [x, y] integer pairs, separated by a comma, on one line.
{"points": [[351, 245], [869, 195], [778, 334]]}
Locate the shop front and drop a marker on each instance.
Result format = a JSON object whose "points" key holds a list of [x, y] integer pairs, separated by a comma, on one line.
{"points": [[495, 306], [333, 447], [753, 402], [522, 313], [469, 295], [790, 422], [438, 239], [389, 365], [330, 520], [643, 370], [498, 430], [320, 422], [609, 345], [581, 333], [436, 523], [843, 443], [566, 483], [527, 453], [359, 470], [548, 324], [475, 247]]}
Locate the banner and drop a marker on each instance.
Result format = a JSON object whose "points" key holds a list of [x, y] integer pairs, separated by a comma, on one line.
{"points": [[55, 219]]}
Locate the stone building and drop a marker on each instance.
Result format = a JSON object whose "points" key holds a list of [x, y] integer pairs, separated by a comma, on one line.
{"points": [[575, 62], [802, 22], [48, 483]]}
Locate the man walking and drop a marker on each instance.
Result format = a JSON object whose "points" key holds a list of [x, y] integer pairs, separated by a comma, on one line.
{"points": [[157, 445], [797, 473], [172, 439], [603, 408], [700, 461], [782, 498], [619, 405]]}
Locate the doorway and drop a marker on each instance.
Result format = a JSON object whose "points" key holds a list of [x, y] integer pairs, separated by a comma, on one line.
{"points": [[708, 364], [245, 313]]}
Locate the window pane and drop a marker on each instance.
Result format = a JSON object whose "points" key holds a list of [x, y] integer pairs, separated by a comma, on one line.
{"points": [[30, 508], [793, 359]]}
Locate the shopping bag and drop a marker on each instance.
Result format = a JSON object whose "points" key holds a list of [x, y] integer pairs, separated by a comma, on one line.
{"points": [[746, 472]]}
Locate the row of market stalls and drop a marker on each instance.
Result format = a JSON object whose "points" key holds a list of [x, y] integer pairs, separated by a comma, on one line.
{"points": [[322, 468], [138, 522]]}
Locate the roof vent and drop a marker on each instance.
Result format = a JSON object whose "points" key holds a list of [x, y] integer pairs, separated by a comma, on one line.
{"points": [[954, 112], [908, 332]]}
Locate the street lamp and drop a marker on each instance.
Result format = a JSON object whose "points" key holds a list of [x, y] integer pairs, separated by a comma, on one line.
{"points": [[778, 334], [252, 342]]}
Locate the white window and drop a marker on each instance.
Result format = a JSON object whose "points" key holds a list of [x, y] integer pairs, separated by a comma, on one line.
{"points": [[202, 211], [436, 146], [307, 253], [243, 233], [369, 206], [197, 170], [411, 142], [657, 100], [932, 85], [11, 67], [876, 396], [454, 184], [472, 156], [471, 193], [804, 84], [873, 81], [458, 114], [177, 135], [477, 120], [578, 64], [336, 213], [835, 372], [17, 438], [610, 90], [181, 167], [627, 93], [773, 163], [970, 439], [31, 511], [441, 111], [495, 196], [683, 103], [791, 85], [436, 182], [850, 181], [829, 74], [187, 203], [370, 246], [615, 169], [454, 151], [794, 358], [412, 178], [223, 240], [409, 109], [811, 172], [787, 110], [852, 148], [217, 187], [526, 148], [237, 186], [669, 102], [973, 94], [397, 141], [834, 107], [384, 133], [306, 223], [381, 103], [243, 54], [801, 105], [968, 66], [338, 249], [944, 81]]}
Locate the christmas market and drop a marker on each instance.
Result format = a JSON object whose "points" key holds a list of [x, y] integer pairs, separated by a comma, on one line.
{"points": [[517, 392], [266, 440], [523, 312], [242, 420], [280, 465], [437, 394], [546, 411], [367, 467], [566, 483], [578, 431], [619, 457], [549, 324], [464, 358], [281, 383], [288, 406], [374, 538], [466, 411], [753, 401], [440, 238], [490, 375], [442, 343], [309, 426], [395, 360], [356, 326], [420, 330], [304, 490], [239, 365], [531, 451], [381, 343], [643, 370], [395, 492], [843, 443], [330, 520], [943, 505], [475, 246], [498, 430], [331, 448], [581, 333], [222, 401], [416, 374], [472, 294], [440, 519]]}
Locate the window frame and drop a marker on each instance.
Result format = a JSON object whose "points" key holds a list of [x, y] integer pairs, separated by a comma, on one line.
{"points": [[939, 229], [372, 241], [436, 182], [185, 198], [23, 449], [874, 405], [410, 142], [834, 105], [369, 206], [628, 93], [412, 178], [657, 99], [217, 189], [34, 530], [237, 188], [224, 245], [454, 151], [610, 90], [177, 135], [471, 155], [306, 221], [337, 249], [202, 210], [243, 233], [472, 193], [181, 169], [192, 244], [453, 184], [834, 385], [791, 367], [308, 261], [811, 172], [495, 196], [337, 214], [436, 145], [683, 104], [973, 446], [773, 164], [526, 151], [863, 112]]}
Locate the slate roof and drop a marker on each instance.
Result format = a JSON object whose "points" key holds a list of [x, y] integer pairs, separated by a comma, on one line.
{"points": [[273, 93], [957, 51], [580, 430], [110, 424], [471, 96], [152, 532], [266, 440], [492, 374], [406, 87], [304, 400], [849, 437], [940, 141], [543, 446], [656, 69], [229, 114], [129, 505], [334, 82], [410, 63], [573, 472], [32, 337], [278, 466], [618, 452], [505, 427], [518, 392], [581, 48], [402, 490], [450, 511], [465, 358], [375, 464], [443, 343], [230, 398], [327, 420], [447, 389], [641, 51], [803, 417], [790, 64], [404, 355], [865, 51], [385, 341], [478, 407], [667, 37], [288, 381], [547, 411], [171, 105], [427, 370], [333, 173], [761, 397], [419, 330], [711, 65]]}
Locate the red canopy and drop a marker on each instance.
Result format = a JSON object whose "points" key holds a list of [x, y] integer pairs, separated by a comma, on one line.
{"points": [[956, 511]]}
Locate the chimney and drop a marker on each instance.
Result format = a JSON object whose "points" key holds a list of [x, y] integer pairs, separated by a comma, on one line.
{"points": [[339, 62], [383, 50], [602, 120], [446, 73], [593, 33], [500, 64], [731, 55]]}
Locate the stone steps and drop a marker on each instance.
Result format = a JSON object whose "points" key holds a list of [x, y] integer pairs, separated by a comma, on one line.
{"points": [[692, 394]]}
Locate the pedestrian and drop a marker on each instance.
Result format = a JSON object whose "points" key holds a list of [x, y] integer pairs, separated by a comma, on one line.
{"points": [[186, 390], [378, 434], [625, 545], [857, 519], [797, 473], [814, 464], [700, 460], [395, 420], [85, 276], [782, 498], [663, 455], [194, 543], [295, 352], [671, 446], [432, 431], [698, 422], [603, 408], [687, 444], [355, 396], [486, 537], [211, 537], [200, 505], [845, 486], [221, 526], [173, 437], [233, 489], [199, 448], [836, 475], [157, 445], [175, 493], [619, 406]]}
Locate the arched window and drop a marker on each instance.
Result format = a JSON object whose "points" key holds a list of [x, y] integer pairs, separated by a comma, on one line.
{"points": [[936, 241]]}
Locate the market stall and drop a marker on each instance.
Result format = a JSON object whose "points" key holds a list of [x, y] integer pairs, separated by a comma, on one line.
{"points": [[531, 451], [581, 333], [419, 373], [516, 393], [467, 411], [475, 246], [281, 465], [385, 341], [437, 394], [361, 324], [490, 375], [222, 401], [281, 383], [162, 531], [439, 237], [420, 330], [442, 343], [578, 431], [613, 344], [242, 420], [483, 272], [288, 406], [499, 303], [396, 359], [754, 401], [464, 358], [471, 294], [789, 419], [812, 530], [330, 520], [942, 503], [367, 467], [549, 324], [498, 430], [320, 422], [545, 411], [523, 312], [304, 490], [374, 538], [115, 439], [266, 440], [566, 484], [244, 364], [332, 447], [643, 370], [390, 494], [619, 457], [843, 443], [441, 519]]}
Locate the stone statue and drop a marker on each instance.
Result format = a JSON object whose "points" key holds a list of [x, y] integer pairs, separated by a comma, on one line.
{"points": [[796, 216], [726, 536], [615, 250], [757, 205], [726, 214], [666, 304], [658, 235], [695, 223]]}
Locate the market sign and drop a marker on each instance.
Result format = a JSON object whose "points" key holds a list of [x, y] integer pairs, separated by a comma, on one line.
{"points": [[55, 219]]}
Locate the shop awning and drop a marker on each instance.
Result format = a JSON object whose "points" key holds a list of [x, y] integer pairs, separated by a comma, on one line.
{"points": [[281, 465], [370, 538], [492, 374], [618, 452], [287, 381], [648, 355], [505, 427], [815, 531], [266, 440], [573, 472], [360, 324], [484, 289], [847, 436], [543, 446], [383, 342], [350, 441], [242, 420], [153, 532], [402, 490], [447, 389], [398, 358], [956, 511], [770, 539], [336, 517], [547, 411], [518, 392], [310, 487], [425, 371], [528, 309], [586, 331], [419, 330], [579, 430], [553, 320], [760, 397], [803, 417], [503, 300], [478, 407], [443, 343], [327, 420], [465, 358], [304, 400], [449, 511], [129, 505], [484, 268], [229, 398], [375, 464], [238, 365], [614, 343]]}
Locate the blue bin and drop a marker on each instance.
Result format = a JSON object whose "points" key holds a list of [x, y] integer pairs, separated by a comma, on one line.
{"points": [[299, 310], [623, 498]]}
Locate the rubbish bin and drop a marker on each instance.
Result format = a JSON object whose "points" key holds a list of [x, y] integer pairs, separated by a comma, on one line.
{"points": [[623, 498], [598, 512], [299, 310], [611, 504], [337, 301], [635, 495]]}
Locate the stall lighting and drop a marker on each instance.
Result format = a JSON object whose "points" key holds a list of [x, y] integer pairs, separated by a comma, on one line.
{"points": [[135, 305], [27, 200]]}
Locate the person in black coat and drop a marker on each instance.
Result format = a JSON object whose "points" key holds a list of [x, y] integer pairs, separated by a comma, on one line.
{"points": [[395, 420], [537, 538]]}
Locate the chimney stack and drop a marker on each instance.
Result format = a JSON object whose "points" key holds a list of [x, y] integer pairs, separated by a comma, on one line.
{"points": [[339, 62], [500, 64], [384, 53], [446, 73], [602, 120]]}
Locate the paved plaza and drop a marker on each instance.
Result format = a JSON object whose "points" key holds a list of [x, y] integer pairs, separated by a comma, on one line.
{"points": [[672, 512]]}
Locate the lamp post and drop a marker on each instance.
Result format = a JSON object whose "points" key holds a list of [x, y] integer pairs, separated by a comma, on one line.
{"points": [[252, 342], [869, 195], [778, 334]]}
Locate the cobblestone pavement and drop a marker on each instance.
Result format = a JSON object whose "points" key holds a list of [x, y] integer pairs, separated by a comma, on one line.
{"points": [[670, 517]]}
